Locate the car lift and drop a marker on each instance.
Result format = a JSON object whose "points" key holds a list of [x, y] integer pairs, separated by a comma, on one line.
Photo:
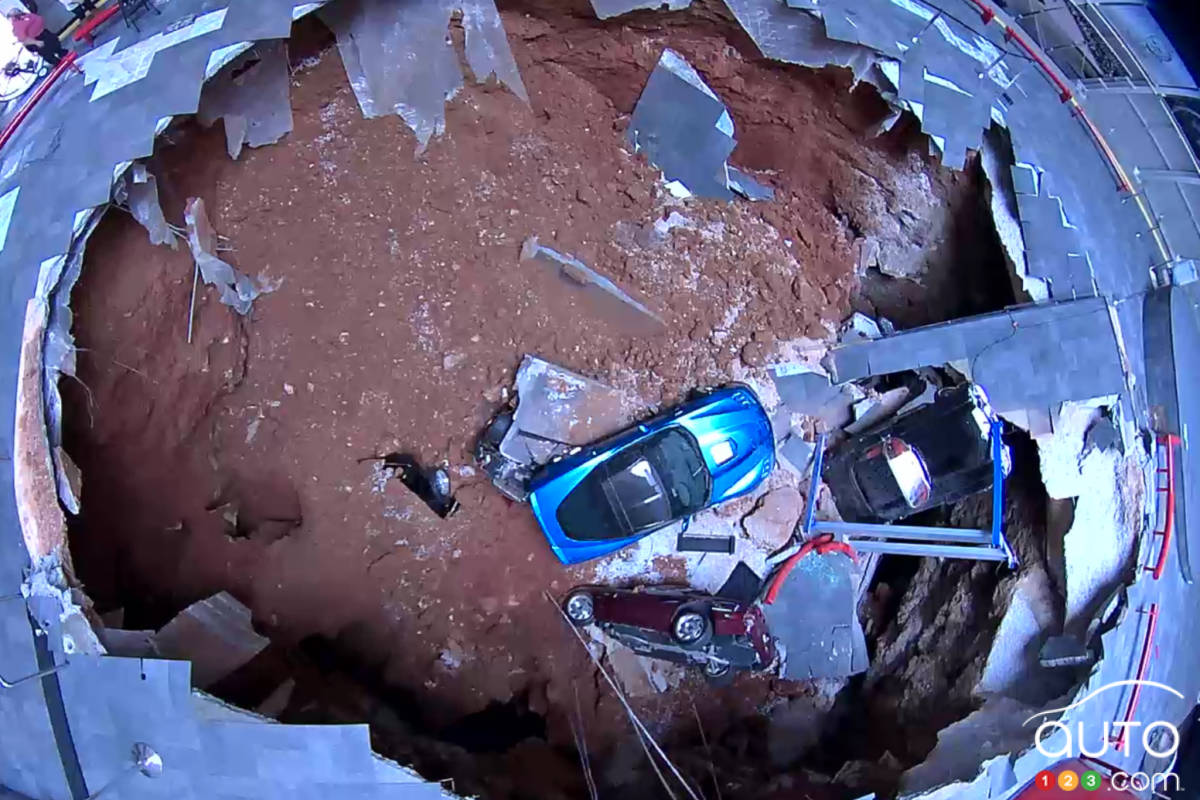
{"points": [[919, 540]]}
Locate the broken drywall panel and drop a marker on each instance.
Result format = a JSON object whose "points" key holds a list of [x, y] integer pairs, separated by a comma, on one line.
{"points": [[825, 639], [236, 289], [557, 407], [253, 96], [686, 131], [609, 299], [614, 8], [215, 635], [399, 58], [487, 47], [797, 37]]}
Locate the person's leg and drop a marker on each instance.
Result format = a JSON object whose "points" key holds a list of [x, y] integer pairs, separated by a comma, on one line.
{"points": [[51, 48]]}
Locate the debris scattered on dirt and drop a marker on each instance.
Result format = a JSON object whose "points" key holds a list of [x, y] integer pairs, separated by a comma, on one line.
{"points": [[610, 302], [399, 328]]}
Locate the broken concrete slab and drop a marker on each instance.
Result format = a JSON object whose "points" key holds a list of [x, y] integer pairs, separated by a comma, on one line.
{"points": [[253, 95], [824, 639], [742, 183], [640, 676], [686, 131], [773, 521], [59, 611], [877, 408], [998, 170], [400, 61], [141, 197], [1013, 667], [798, 453], [236, 289], [608, 298], [797, 37], [1100, 545], [805, 390], [488, 53], [994, 729], [614, 8], [683, 128], [1027, 357], [558, 409], [215, 635]]}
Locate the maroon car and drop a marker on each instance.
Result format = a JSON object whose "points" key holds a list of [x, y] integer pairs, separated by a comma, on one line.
{"points": [[677, 624]]}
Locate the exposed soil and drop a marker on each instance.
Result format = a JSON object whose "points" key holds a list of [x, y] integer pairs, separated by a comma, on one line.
{"points": [[244, 460]]}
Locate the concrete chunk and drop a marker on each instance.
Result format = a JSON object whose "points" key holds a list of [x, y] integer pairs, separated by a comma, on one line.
{"points": [[215, 635]]}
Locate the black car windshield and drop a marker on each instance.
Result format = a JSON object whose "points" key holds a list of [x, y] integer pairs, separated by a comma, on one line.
{"points": [[645, 486]]}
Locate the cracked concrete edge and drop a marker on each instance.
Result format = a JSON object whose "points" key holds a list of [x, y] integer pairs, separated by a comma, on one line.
{"points": [[36, 488], [43, 524]]}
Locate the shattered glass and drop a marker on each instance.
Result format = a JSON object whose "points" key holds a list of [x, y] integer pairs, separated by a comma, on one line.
{"points": [[236, 289]]}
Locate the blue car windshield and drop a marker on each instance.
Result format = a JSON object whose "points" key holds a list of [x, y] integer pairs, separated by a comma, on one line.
{"points": [[643, 487]]}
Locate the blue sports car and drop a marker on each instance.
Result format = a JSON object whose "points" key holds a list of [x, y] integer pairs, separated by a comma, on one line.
{"points": [[609, 494]]}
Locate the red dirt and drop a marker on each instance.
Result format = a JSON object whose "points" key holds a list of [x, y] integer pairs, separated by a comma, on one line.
{"points": [[402, 311]]}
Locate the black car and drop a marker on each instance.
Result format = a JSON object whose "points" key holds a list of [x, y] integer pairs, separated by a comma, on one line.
{"points": [[932, 455]]}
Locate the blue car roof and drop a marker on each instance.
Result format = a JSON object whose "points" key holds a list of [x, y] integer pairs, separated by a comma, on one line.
{"points": [[730, 428]]}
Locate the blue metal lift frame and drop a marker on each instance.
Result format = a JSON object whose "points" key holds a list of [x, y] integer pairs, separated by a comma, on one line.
{"points": [[920, 540]]}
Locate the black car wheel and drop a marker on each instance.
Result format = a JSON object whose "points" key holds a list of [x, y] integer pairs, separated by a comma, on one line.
{"points": [[691, 627], [580, 608]]}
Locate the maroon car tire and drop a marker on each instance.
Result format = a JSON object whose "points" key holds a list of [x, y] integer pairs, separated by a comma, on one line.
{"points": [[715, 676], [580, 608], [692, 627]]}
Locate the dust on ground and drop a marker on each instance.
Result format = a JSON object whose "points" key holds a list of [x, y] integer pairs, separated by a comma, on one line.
{"points": [[243, 461]]}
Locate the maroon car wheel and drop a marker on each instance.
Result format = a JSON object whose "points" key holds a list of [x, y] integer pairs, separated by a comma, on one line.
{"points": [[580, 608], [691, 627]]}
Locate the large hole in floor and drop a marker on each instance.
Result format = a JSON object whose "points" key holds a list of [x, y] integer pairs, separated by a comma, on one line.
{"points": [[243, 461]]}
